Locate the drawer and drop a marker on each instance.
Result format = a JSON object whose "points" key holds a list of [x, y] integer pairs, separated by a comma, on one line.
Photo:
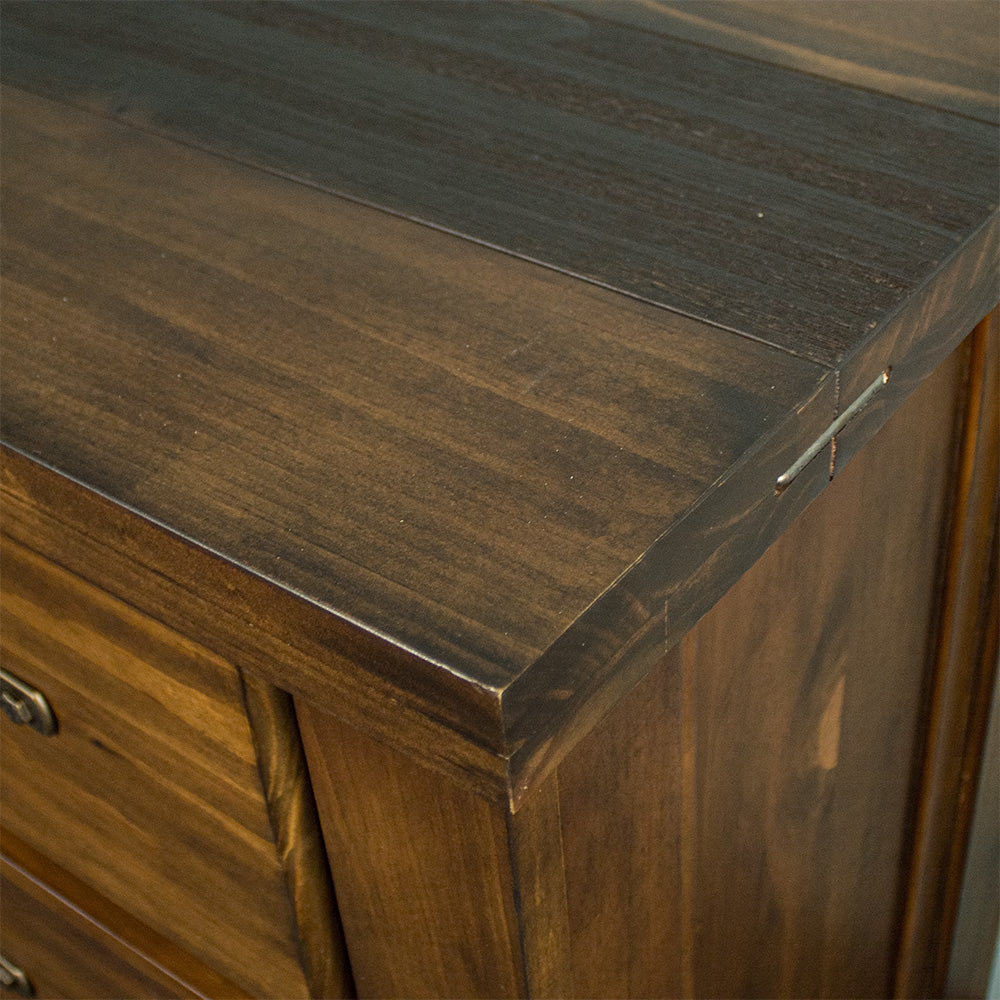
{"points": [[63, 952], [149, 792]]}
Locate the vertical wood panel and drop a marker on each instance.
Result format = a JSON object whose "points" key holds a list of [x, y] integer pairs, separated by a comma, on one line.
{"points": [[965, 663], [421, 868], [740, 824], [810, 680], [539, 870], [622, 843]]}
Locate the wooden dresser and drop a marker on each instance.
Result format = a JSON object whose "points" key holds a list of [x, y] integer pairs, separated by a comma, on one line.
{"points": [[498, 499]]}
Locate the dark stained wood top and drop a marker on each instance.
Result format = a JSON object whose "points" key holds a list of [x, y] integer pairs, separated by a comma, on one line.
{"points": [[404, 426], [668, 170], [530, 470], [942, 53]]}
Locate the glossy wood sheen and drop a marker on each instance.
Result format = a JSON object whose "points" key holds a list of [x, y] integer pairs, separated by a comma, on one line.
{"points": [[65, 954], [149, 793], [412, 380], [749, 196]]}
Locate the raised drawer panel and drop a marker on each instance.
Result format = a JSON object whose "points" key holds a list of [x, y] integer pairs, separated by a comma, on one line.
{"points": [[150, 792]]}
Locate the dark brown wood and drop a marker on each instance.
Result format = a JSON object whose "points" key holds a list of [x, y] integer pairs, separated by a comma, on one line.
{"points": [[298, 837], [965, 666], [433, 366], [738, 824], [425, 471], [97, 920], [534, 844], [242, 617], [794, 209], [918, 339], [932, 52], [149, 793], [623, 840], [65, 954], [809, 721]]}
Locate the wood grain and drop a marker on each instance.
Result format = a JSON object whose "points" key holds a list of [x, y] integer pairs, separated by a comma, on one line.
{"points": [[809, 720], [937, 52], [739, 824], [422, 871], [64, 954], [418, 471], [246, 620], [93, 914], [150, 792], [298, 837], [789, 208], [965, 655], [622, 840]]}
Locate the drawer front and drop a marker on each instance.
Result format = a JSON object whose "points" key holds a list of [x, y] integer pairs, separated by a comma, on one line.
{"points": [[63, 953], [149, 792]]}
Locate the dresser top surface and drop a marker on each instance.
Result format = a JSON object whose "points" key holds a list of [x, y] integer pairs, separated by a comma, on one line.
{"points": [[451, 318]]}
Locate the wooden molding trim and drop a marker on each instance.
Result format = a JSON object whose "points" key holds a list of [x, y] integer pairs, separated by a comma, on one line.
{"points": [[295, 823], [965, 657]]}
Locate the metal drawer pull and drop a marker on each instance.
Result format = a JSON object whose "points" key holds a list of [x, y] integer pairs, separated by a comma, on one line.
{"points": [[785, 479], [24, 705], [12, 978]]}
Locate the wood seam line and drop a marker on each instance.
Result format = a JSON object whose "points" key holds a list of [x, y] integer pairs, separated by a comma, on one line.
{"points": [[811, 56], [428, 224], [518, 894]]}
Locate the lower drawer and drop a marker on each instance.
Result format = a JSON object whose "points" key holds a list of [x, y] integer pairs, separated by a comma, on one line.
{"points": [[149, 792], [65, 953]]}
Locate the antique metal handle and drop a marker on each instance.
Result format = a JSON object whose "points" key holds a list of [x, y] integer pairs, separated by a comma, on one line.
{"points": [[22, 704], [13, 978]]}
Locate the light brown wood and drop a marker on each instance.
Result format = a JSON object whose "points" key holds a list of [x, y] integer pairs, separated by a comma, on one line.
{"points": [[97, 927], [421, 868], [150, 792], [299, 840]]}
